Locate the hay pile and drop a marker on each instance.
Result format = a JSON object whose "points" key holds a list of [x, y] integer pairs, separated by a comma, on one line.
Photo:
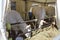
{"points": [[46, 34]]}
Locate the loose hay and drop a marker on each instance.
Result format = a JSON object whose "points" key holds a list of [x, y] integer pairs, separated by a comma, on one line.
{"points": [[46, 34]]}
